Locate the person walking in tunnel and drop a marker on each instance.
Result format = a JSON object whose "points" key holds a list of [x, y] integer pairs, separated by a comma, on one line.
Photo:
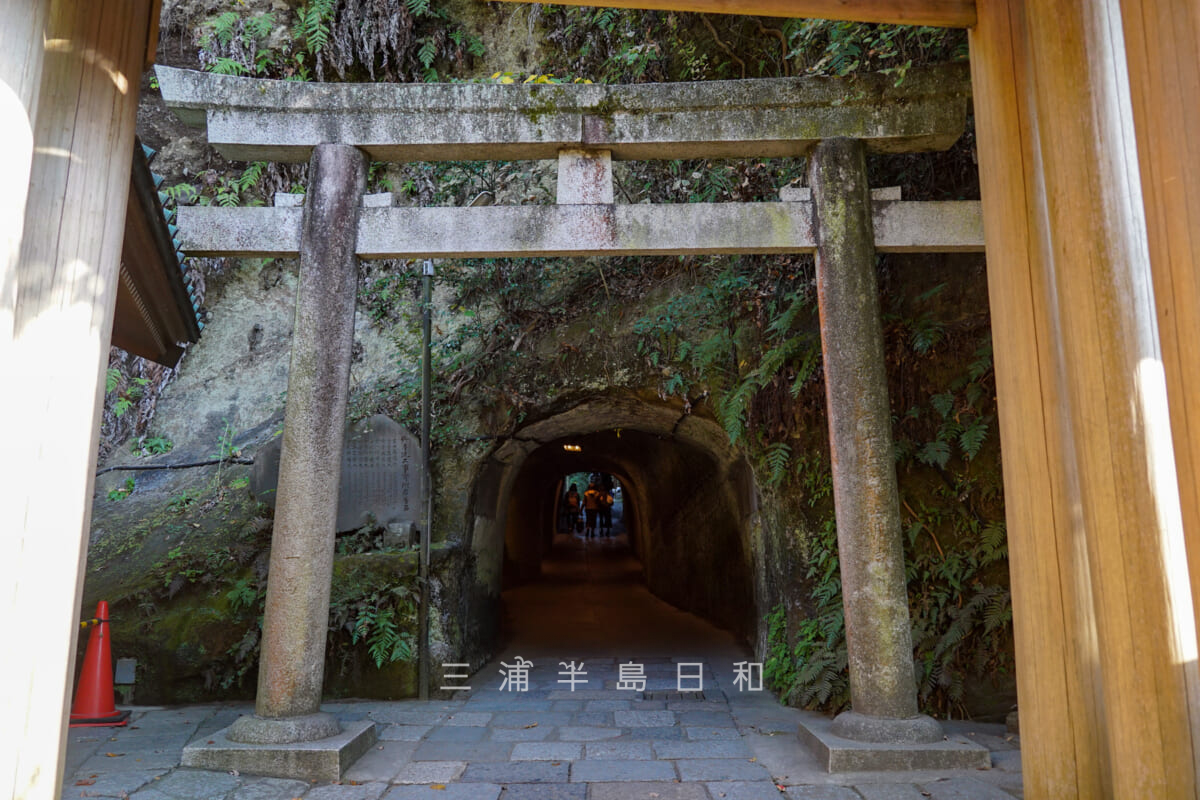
{"points": [[591, 508], [571, 508], [606, 504]]}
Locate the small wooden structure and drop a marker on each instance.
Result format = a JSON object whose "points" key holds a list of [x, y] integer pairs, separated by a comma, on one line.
{"points": [[1087, 113]]}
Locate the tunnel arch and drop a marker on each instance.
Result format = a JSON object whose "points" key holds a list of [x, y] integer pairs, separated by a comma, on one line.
{"points": [[690, 499]]}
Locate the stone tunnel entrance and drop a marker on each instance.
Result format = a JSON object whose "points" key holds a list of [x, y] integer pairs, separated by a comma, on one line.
{"points": [[682, 547]]}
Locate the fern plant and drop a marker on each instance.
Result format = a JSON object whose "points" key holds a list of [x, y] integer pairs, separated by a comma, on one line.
{"points": [[382, 619], [315, 17]]}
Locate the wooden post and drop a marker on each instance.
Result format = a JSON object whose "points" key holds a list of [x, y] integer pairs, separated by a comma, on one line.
{"points": [[1162, 40], [1087, 264], [1053, 625], [66, 290], [1113, 396], [22, 29]]}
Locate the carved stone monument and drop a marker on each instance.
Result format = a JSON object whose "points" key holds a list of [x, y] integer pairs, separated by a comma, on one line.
{"points": [[381, 475]]}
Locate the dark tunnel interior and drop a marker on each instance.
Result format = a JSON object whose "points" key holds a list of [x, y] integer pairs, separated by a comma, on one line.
{"points": [[684, 510]]}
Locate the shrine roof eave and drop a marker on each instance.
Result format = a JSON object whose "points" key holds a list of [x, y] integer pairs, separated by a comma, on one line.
{"points": [[155, 314]]}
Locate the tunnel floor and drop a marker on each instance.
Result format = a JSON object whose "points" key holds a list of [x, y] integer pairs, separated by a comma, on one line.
{"points": [[592, 602]]}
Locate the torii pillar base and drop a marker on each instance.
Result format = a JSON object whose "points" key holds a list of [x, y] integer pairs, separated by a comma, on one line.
{"points": [[317, 760], [839, 754]]}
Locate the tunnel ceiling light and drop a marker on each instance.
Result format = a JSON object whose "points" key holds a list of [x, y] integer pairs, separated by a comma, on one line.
{"points": [[572, 448]]}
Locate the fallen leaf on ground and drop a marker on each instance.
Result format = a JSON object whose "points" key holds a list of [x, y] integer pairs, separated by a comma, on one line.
{"points": [[438, 786], [85, 783], [114, 755], [531, 725]]}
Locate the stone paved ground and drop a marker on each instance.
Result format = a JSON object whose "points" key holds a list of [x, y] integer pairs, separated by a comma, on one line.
{"points": [[552, 743], [548, 743]]}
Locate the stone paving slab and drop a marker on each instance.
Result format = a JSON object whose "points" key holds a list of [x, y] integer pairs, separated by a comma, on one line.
{"points": [[623, 751], [517, 772], [648, 791], [381, 762], [399, 716], [608, 705], [468, 719], [429, 772], [547, 751], [462, 751], [675, 750], [146, 793], [512, 702], [591, 694], [521, 734], [115, 784], [403, 733], [589, 719], [569, 734], [702, 734], [130, 760], [721, 769], [545, 791], [745, 790], [269, 789], [887, 791], [571, 705], [836, 793], [657, 734], [525, 719], [450, 791], [963, 789], [709, 719], [347, 791], [457, 734], [196, 784], [602, 770]]}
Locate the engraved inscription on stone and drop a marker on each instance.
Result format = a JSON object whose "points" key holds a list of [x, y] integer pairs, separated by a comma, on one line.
{"points": [[381, 474]]}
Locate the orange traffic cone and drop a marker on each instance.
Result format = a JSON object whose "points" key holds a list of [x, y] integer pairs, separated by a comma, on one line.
{"points": [[95, 706]]}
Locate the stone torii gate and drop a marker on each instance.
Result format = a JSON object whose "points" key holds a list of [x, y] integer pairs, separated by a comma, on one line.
{"points": [[1085, 112], [337, 128]]}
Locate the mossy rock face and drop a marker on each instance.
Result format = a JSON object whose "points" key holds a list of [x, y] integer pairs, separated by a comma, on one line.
{"points": [[199, 646], [395, 681], [189, 651]]}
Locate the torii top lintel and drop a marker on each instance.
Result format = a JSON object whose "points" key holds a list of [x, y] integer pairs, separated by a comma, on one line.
{"points": [[261, 120]]}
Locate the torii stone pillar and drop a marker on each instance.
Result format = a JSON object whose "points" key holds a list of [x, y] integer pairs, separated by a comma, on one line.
{"points": [[866, 499], [295, 626]]}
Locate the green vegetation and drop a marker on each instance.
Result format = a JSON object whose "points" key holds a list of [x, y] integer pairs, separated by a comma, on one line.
{"points": [[627, 46], [123, 491], [952, 510], [372, 40]]}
